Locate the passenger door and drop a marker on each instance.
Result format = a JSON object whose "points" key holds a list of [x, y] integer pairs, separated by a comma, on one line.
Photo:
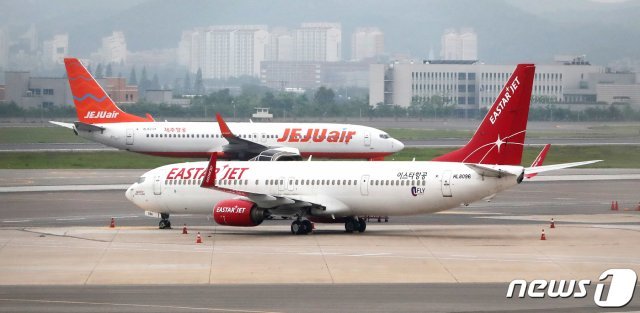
{"points": [[157, 185], [364, 185], [367, 139]]}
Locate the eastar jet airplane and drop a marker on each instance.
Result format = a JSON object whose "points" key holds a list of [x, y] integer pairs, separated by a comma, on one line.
{"points": [[246, 193], [99, 119]]}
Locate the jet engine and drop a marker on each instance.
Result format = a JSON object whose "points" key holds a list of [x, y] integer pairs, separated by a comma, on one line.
{"points": [[235, 212]]}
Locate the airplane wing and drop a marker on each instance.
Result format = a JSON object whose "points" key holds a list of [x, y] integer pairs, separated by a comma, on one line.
{"points": [[327, 205], [546, 168], [539, 160]]}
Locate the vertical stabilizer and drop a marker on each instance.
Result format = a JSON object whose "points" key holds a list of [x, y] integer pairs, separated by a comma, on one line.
{"points": [[93, 105], [500, 137]]}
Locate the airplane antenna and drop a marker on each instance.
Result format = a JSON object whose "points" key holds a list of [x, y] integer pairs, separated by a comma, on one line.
{"points": [[414, 159], [310, 156]]}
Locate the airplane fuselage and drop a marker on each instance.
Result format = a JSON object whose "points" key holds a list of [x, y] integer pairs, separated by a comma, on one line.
{"points": [[201, 139], [343, 188]]}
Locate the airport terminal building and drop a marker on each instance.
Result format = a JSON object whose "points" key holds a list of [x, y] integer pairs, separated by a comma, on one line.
{"points": [[471, 85]]}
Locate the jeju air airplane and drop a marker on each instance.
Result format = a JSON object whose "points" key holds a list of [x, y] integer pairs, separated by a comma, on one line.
{"points": [[100, 120], [246, 193]]}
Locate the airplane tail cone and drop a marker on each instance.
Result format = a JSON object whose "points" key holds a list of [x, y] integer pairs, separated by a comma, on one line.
{"points": [[543, 237], [553, 224], [184, 230], [113, 223], [198, 238]]}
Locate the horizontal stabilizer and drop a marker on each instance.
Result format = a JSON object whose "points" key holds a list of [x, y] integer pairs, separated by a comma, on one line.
{"points": [[554, 167], [87, 127], [490, 170], [66, 125]]}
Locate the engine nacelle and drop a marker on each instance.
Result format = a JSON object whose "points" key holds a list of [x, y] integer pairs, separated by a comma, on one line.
{"points": [[234, 212]]}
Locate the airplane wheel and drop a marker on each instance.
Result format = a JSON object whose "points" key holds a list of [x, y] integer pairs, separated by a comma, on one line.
{"points": [[350, 225], [164, 224], [306, 225], [362, 225], [295, 227]]}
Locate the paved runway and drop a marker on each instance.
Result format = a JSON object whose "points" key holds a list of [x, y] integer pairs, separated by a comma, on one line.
{"points": [[459, 260], [285, 298]]}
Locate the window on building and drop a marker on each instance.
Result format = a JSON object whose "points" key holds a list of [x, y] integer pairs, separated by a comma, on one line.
{"points": [[471, 100], [471, 88], [462, 76], [461, 100], [471, 76], [462, 88]]}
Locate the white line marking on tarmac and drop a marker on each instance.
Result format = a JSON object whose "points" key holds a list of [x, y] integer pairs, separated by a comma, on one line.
{"points": [[136, 305], [71, 219], [16, 221], [369, 254]]}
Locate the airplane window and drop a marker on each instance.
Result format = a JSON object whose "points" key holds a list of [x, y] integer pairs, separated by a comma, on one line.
{"points": [[338, 182], [147, 135], [392, 183], [322, 182], [413, 182], [281, 182], [355, 182], [387, 183], [296, 182], [384, 136]]}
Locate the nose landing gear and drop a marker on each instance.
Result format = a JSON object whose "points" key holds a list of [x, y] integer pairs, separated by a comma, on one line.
{"points": [[165, 223]]}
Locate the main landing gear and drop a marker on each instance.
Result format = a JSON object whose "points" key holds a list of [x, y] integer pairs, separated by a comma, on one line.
{"points": [[355, 224], [301, 227], [165, 223]]}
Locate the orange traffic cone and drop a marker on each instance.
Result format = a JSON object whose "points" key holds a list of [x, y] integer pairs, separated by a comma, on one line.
{"points": [[184, 229], [198, 238], [553, 225], [614, 205], [638, 208], [543, 237], [113, 223]]}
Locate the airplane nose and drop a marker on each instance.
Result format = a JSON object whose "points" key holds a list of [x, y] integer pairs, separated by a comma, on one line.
{"points": [[129, 193], [397, 145]]}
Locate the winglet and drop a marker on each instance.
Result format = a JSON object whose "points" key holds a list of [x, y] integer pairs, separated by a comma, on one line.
{"points": [[539, 160], [224, 128], [209, 180]]}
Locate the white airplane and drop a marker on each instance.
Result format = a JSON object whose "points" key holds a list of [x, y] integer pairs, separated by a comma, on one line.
{"points": [[246, 193], [100, 120]]}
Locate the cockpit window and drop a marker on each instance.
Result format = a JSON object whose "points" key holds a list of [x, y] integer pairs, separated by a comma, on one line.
{"points": [[141, 179], [384, 136]]}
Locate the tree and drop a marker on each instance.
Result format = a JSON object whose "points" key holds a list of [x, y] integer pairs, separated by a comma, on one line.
{"points": [[155, 83], [98, 73], [109, 71], [199, 84], [133, 79]]}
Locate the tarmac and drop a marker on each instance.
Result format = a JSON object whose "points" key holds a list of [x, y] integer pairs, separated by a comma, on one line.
{"points": [[58, 254]]}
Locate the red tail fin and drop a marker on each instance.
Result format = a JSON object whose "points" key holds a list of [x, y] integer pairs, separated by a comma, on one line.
{"points": [[500, 137], [93, 105]]}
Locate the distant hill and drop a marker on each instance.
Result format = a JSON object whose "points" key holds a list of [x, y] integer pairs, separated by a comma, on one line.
{"points": [[508, 30]]}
